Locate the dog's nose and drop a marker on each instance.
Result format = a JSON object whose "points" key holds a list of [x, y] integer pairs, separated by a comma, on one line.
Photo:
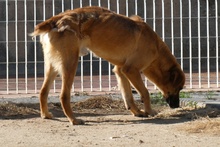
{"points": [[173, 101]]}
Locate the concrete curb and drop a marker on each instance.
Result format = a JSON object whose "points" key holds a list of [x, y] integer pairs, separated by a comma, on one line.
{"points": [[213, 105]]}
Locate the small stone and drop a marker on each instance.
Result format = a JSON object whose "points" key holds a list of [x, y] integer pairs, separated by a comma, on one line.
{"points": [[141, 141]]}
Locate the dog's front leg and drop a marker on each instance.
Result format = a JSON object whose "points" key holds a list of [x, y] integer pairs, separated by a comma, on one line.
{"points": [[134, 77], [48, 80], [127, 96]]}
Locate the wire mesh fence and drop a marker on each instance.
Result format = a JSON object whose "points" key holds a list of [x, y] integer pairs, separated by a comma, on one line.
{"points": [[190, 28]]}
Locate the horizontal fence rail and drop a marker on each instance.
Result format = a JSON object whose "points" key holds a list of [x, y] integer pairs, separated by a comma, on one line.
{"points": [[189, 27]]}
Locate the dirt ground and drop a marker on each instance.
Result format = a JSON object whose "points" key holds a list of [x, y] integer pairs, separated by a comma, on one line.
{"points": [[107, 123]]}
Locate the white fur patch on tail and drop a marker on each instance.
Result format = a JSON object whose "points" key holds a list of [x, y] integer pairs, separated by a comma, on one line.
{"points": [[44, 38]]}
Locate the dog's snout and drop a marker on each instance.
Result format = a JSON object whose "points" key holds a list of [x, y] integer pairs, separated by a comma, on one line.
{"points": [[173, 101]]}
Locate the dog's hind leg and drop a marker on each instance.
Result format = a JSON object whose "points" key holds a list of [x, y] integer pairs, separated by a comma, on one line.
{"points": [[134, 77], [69, 69], [127, 96], [48, 80]]}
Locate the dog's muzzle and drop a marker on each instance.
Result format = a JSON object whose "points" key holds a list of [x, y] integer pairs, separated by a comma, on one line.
{"points": [[173, 101]]}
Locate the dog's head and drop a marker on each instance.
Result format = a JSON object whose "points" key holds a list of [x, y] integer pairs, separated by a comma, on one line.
{"points": [[174, 84]]}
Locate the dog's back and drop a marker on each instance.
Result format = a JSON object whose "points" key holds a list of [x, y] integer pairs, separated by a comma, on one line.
{"points": [[79, 15]]}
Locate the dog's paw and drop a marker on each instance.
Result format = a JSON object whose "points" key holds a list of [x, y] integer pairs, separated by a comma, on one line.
{"points": [[77, 122], [152, 112], [47, 115], [141, 113]]}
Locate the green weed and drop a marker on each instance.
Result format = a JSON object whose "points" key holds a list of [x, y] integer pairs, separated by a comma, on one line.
{"points": [[157, 98], [184, 94], [209, 95], [192, 104]]}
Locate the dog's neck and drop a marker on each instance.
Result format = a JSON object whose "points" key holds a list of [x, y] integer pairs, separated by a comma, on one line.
{"points": [[165, 62]]}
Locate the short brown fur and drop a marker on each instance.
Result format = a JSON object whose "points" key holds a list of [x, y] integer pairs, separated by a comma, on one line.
{"points": [[128, 43]]}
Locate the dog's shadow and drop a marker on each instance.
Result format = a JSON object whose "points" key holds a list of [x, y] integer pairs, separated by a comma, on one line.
{"points": [[183, 115]]}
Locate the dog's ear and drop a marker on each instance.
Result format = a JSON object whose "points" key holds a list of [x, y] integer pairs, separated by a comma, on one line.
{"points": [[175, 76]]}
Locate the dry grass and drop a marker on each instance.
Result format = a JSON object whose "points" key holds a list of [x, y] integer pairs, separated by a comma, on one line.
{"points": [[204, 120], [189, 113], [203, 125]]}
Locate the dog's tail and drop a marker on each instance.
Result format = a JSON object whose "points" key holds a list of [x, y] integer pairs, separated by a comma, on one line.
{"points": [[46, 26]]}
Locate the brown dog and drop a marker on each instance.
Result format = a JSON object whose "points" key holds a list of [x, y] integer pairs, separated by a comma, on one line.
{"points": [[128, 43]]}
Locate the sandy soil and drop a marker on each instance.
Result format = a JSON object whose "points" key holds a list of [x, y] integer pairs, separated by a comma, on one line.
{"points": [[108, 124]]}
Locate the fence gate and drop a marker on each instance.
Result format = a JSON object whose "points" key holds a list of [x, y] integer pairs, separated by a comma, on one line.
{"points": [[189, 27]]}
